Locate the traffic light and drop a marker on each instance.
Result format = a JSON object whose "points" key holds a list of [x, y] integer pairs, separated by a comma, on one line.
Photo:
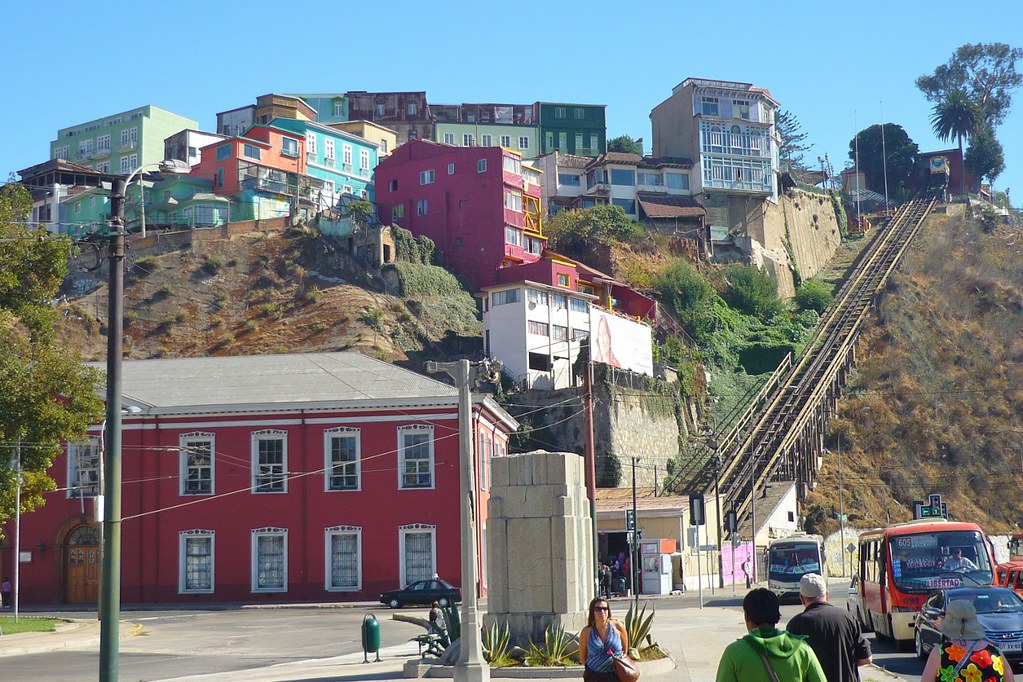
{"points": [[696, 511], [934, 508], [630, 519], [731, 523]]}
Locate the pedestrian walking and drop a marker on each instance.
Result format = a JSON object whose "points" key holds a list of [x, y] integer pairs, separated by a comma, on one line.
{"points": [[5, 592], [747, 569], [767, 654], [832, 633], [964, 654]]}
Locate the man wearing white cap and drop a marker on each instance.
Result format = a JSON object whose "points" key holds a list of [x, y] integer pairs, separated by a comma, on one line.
{"points": [[833, 634]]}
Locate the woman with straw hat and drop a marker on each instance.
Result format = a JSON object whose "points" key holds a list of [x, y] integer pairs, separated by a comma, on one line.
{"points": [[964, 653]]}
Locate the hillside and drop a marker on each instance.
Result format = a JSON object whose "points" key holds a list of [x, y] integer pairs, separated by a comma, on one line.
{"points": [[935, 403], [268, 293]]}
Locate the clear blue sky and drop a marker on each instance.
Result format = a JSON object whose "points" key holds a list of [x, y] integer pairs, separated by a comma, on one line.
{"points": [[832, 65]]}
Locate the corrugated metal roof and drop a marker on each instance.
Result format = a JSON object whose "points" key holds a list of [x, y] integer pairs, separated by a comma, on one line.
{"points": [[669, 205], [227, 383]]}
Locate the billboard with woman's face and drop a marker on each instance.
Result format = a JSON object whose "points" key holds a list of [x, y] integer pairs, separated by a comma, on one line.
{"points": [[621, 342]]}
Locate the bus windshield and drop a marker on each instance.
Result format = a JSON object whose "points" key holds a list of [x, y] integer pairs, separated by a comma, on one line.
{"points": [[925, 561], [790, 561]]}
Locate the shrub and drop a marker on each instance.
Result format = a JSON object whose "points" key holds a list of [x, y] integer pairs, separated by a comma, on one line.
{"points": [[637, 626], [495, 645], [557, 649], [130, 317], [312, 294], [212, 265], [752, 291], [373, 317], [692, 297], [814, 295]]}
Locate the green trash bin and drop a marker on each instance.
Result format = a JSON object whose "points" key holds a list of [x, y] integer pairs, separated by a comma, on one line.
{"points": [[621, 587], [370, 637]]}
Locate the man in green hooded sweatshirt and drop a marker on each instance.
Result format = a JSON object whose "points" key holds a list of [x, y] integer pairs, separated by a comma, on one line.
{"points": [[768, 654]]}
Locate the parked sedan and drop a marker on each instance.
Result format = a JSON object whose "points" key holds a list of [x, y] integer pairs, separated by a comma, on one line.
{"points": [[999, 611], [422, 592]]}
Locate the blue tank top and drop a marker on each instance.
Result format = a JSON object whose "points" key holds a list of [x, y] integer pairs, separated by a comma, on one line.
{"points": [[599, 655]]}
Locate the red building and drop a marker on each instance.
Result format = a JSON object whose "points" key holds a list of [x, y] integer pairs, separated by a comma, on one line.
{"points": [[320, 477], [480, 205]]}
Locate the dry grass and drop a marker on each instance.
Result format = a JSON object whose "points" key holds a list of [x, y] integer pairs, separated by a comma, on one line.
{"points": [[935, 403]]}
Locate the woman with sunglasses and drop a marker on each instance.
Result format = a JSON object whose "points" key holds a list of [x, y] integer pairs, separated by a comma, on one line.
{"points": [[601, 640]]}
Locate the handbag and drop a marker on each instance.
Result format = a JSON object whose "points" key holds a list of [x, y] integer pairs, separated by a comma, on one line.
{"points": [[625, 668]]}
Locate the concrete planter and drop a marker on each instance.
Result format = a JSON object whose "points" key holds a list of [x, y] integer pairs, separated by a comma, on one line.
{"points": [[423, 668]]}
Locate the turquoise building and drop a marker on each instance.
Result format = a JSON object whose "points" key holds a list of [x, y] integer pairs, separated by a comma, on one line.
{"points": [[343, 161], [179, 202], [122, 142], [329, 107]]}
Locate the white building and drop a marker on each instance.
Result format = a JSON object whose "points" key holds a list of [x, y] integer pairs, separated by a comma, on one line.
{"points": [[728, 130], [537, 330]]}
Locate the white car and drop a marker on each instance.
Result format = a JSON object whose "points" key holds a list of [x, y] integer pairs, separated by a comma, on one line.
{"points": [[853, 603]]}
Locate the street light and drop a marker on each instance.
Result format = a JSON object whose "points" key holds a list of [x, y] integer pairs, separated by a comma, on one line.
{"points": [[471, 666], [175, 166]]}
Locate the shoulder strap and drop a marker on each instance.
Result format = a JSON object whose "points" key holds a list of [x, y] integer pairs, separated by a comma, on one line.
{"points": [[767, 664], [965, 659]]}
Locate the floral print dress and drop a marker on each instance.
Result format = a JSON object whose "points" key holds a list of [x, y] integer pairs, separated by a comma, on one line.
{"points": [[983, 665]]}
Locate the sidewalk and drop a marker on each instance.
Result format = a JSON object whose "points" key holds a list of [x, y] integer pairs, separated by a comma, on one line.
{"points": [[694, 637]]}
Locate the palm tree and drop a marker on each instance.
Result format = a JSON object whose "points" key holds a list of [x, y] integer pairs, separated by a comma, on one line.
{"points": [[957, 115]]}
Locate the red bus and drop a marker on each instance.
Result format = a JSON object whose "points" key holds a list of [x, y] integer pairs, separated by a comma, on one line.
{"points": [[901, 564]]}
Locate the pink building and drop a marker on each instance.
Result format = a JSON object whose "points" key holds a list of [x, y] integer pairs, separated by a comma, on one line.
{"points": [[323, 477], [480, 205]]}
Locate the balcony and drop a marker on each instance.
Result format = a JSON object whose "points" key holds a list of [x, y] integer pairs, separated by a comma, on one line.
{"points": [[127, 146], [346, 167], [329, 162], [101, 153], [364, 172], [266, 185]]}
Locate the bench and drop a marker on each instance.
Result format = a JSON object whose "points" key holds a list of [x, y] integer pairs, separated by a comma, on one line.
{"points": [[431, 642]]}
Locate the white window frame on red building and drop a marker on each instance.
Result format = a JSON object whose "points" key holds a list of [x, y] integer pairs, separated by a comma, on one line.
{"points": [[187, 441], [328, 552], [257, 438], [329, 465], [76, 473], [416, 429], [416, 529], [257, 535], [185, 538]]}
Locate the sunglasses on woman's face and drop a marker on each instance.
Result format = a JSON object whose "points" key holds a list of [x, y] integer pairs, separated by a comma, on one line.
{"points": [[601, 608]]}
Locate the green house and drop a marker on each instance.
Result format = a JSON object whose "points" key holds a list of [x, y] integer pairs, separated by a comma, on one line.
{"points": [[572, 128]]}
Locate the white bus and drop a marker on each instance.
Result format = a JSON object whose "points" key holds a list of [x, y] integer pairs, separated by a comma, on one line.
{"points": [[789, 559]]}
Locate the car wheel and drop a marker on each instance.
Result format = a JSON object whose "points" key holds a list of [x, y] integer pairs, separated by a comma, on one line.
{"points": [[918, 644], [394, 603], [443, 601]]}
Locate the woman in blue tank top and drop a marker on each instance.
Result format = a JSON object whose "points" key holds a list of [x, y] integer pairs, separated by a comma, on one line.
{"points": [[602, 639]]}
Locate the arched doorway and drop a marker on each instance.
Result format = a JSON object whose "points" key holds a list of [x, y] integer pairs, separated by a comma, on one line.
{"points": [[82, 565]]}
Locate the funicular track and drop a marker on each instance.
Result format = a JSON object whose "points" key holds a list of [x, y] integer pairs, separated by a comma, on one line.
{"points": [[784, 440]]}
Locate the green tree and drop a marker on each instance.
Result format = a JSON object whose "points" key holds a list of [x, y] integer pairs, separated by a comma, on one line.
{"points": [[625, 143], [360, 211], [681, 285], [985, 157], [573, 232], [792, 139], [899, 150], [985, 71], [958, 116], [752, 291], [47, 395]]}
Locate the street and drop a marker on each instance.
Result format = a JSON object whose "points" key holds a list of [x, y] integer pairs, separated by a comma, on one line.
{"points": [[178, 642]]}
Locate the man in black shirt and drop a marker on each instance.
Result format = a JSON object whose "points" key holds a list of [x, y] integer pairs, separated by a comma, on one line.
{"points": [[833, 634]]}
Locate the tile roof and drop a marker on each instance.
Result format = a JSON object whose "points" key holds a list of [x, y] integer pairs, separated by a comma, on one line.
{"points": [[669, 205], [573, 161], [617, 500], [309, 380]]}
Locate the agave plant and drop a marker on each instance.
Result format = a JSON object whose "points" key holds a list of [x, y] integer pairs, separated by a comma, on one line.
{"points": [[637, 626], [453, 626], [495, 645], [557, 649]]}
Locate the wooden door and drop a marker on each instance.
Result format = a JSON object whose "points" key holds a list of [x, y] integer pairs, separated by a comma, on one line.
{"points": [[83, 565]]}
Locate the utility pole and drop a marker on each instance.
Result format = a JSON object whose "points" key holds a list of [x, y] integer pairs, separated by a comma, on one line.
{"points": [[110, 584], [841, 500], [471, 666], [635, 538], [591, 459], [753, 506]]}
